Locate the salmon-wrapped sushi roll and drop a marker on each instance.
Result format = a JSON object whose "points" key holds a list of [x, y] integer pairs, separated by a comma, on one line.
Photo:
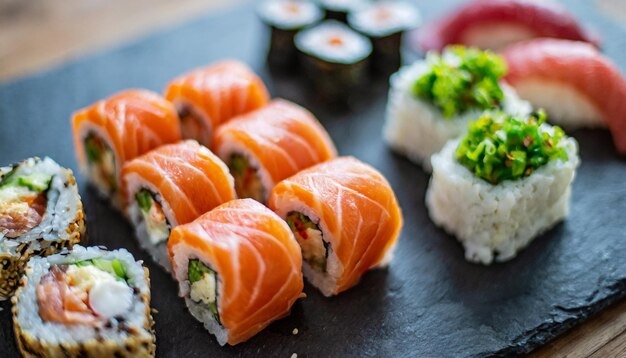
{"points": [[271, 144], [238, 267], [345, 217], [117, 129], [209, 96], [173, 185]]}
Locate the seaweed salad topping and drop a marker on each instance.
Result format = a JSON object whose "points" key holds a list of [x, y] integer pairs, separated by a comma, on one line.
{"points": [[462, 79], [500, 147]]}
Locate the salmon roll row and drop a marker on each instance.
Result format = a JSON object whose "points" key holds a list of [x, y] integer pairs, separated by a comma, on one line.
{"points": [[270, 144], [345, 217], [117, 129], [88, 302], [238, 268], [40, 214], [173, 185], [210, 96]]}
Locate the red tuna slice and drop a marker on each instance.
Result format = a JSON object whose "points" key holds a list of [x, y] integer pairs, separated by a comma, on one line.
{"points": [[587, 79], [495, 24]]}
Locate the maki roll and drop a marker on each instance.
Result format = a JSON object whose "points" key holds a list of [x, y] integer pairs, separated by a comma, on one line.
{"points": [[385, 24], [238, 268], [209, 96], [335, 58], [117, 129], [40, 214], [502, 184], [270, 144], [87, 302], [340, 9], [431, 101], [173, 185], [284, 19], [345, 217], [573, 82]]}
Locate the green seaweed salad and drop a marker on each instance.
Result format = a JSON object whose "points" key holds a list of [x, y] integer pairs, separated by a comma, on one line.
{"points": [[462, 79], [499, 146]]}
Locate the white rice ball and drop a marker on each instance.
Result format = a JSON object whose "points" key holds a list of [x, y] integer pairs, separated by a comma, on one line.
{"points": [[496, 221], [417, 129]]}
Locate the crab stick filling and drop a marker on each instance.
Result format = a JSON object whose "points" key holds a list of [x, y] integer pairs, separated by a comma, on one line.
{"points": [[101, 161], [87, 292], [151, 210], [203, 286], [309, 237], [23, 202], [247, 180]]}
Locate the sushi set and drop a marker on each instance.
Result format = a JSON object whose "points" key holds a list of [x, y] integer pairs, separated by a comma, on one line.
{"points": [[319, 196]]}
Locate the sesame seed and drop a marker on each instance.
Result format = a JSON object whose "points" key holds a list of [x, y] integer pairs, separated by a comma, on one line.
{"points": [[295, 355], [295, 331]]}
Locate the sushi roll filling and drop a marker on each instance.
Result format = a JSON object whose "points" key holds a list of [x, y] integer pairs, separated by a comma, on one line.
{"points": [[289, 14], [385, 18], [462, 79], [101, 160], [93, 292], [247, 180], [192, 124], [309, 236], [23, 201], [500, 147], [157, 225], [334, 42], [203, 286]]}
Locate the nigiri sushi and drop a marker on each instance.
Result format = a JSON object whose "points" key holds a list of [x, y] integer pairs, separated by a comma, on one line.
{"points": [[506, 181], [172, 185], [238, 268], [431, 101], [270, 144], [573, 81], [345, 217], [209, 96], [40, 214], [493, 24], [87, 302], [119, 128]]}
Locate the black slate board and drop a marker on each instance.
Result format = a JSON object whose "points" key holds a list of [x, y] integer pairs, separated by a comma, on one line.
{"points": [[430, 302]]}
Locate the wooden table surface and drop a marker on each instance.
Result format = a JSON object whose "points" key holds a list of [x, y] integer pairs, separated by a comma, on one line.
{"points": [[39, 34]]}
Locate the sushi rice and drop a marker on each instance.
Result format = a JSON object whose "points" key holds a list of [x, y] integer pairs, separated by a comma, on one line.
{"points": [[417, 129], [61, 226], [128, 335], [494, 222]]}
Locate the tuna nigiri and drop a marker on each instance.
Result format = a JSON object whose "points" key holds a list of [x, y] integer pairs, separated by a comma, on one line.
{"points": [[173, 185], [210, 96], [494, 24], [345, 217], [271, 144], [573, 81], [238, 267], [117, 129]]}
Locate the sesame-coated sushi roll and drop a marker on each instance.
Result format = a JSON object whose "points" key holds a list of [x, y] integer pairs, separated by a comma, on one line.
{"points": [[173, 185], [502, 184], [340, 9], [285, 18], [209, 96], [345, 217], [40, 214], [385, 23], [431, 101], [238, 268], [87, 302], [271, 144], [114, 130], [335, 58]]}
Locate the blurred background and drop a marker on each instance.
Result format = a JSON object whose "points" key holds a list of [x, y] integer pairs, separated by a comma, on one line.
{"points": [[35, 34]]}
